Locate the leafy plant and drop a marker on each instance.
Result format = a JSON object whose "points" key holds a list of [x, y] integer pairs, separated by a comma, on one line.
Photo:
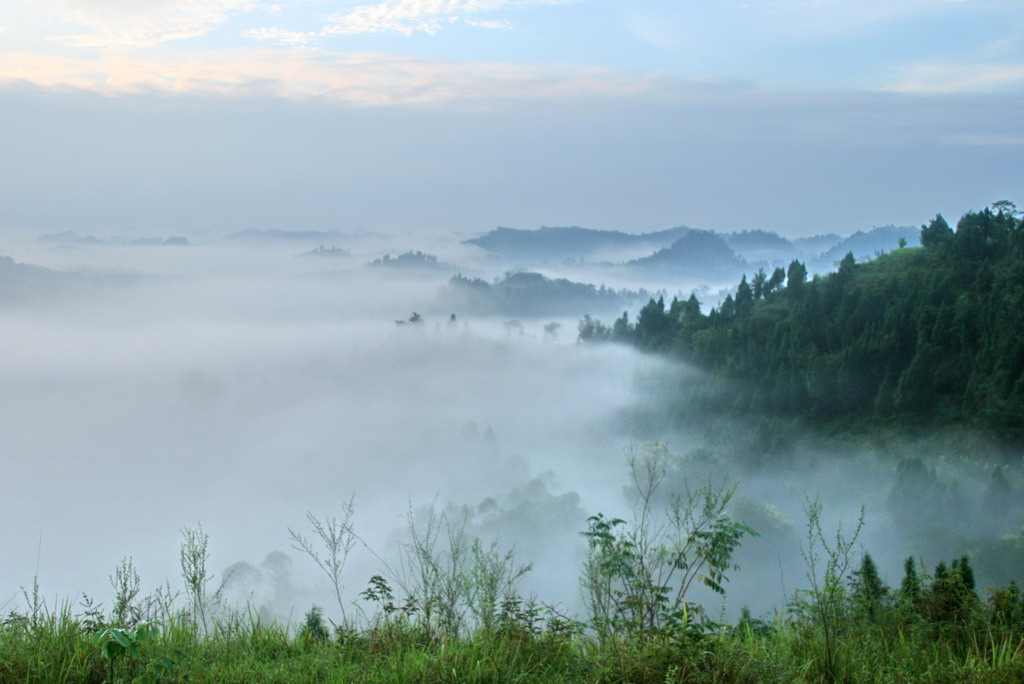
{"points": [[637, 575], [135, 645]]}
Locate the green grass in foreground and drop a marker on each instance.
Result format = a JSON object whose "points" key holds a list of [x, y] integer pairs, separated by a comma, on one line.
{"points": [[894, 647], [457, 616]]}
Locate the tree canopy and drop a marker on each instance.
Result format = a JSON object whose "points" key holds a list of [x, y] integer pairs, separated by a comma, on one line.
{"points": [[923, 335]]}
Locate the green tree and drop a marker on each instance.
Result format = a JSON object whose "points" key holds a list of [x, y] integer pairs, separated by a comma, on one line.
{"points": [[796, 276], [776, 281], [591, 330], [622, 330], [910, 587], [653, 326], [758, 283], [744, 297], [728, 308], [936, 234], [868, 590], [951, 597], [847, 265], [691, 310]]}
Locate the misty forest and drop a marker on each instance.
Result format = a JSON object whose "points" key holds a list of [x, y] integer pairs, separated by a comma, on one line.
{"points": [[559, 454]]}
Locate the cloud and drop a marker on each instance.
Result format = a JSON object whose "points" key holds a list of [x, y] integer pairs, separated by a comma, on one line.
{"points": [[276, 34], [363, 78], [419, 16], [130, 23], [487, 24], [944, 77]]}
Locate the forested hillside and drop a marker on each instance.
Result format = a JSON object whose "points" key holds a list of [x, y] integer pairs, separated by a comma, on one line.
{"points": [[524, 293], [919, 336]]}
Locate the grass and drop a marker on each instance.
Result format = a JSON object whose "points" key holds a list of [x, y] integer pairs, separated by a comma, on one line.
{"points": [[446, 624], [62, 648]]}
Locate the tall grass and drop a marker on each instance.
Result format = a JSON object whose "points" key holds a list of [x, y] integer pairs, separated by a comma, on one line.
{"points": [[456, 616], [61, 647]]}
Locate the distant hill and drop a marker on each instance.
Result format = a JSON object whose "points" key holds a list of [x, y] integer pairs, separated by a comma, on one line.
{"points": [[816, 245], [331, 252], [762, 246], [559, 243], [757, 239], [70, 237], [412, 261], [532, 294], [20, 281], [866, 245], [700, 254], [11, 270]]}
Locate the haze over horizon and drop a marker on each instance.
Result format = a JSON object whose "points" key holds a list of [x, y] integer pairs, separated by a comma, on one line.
{"points": [[407, 116]]}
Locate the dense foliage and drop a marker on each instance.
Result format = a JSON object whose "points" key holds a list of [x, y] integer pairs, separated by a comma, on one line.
{"points": [[919, 336]]}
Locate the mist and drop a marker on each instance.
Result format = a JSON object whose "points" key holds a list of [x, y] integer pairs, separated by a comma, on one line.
{"points": [[240, 387]]}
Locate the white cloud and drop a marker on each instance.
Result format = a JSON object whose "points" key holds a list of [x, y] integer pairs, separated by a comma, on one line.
{"points": [[419, 16], [275, 34], [359, 78], [136, 23], [942, 77], [489, 24]]}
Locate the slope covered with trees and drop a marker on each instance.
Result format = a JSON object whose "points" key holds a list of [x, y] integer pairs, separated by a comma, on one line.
{"points": [[524, 293], [920, 336]]}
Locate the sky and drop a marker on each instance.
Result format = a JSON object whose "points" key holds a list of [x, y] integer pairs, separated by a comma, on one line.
{"points": [[158, 117]]}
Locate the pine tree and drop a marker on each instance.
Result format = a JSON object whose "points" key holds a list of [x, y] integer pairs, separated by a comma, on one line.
{"points": [[796, 276], [951, 597], [758, 283], [868, 588], [936, 234], [910, 587], [775, 282], [744, 297], [963, 566]]}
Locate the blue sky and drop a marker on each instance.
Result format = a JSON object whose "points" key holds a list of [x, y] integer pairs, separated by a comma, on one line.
{"points": [[406, 115]]}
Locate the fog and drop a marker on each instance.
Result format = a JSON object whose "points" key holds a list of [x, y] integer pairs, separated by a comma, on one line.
{"points": [[238, 387]]}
